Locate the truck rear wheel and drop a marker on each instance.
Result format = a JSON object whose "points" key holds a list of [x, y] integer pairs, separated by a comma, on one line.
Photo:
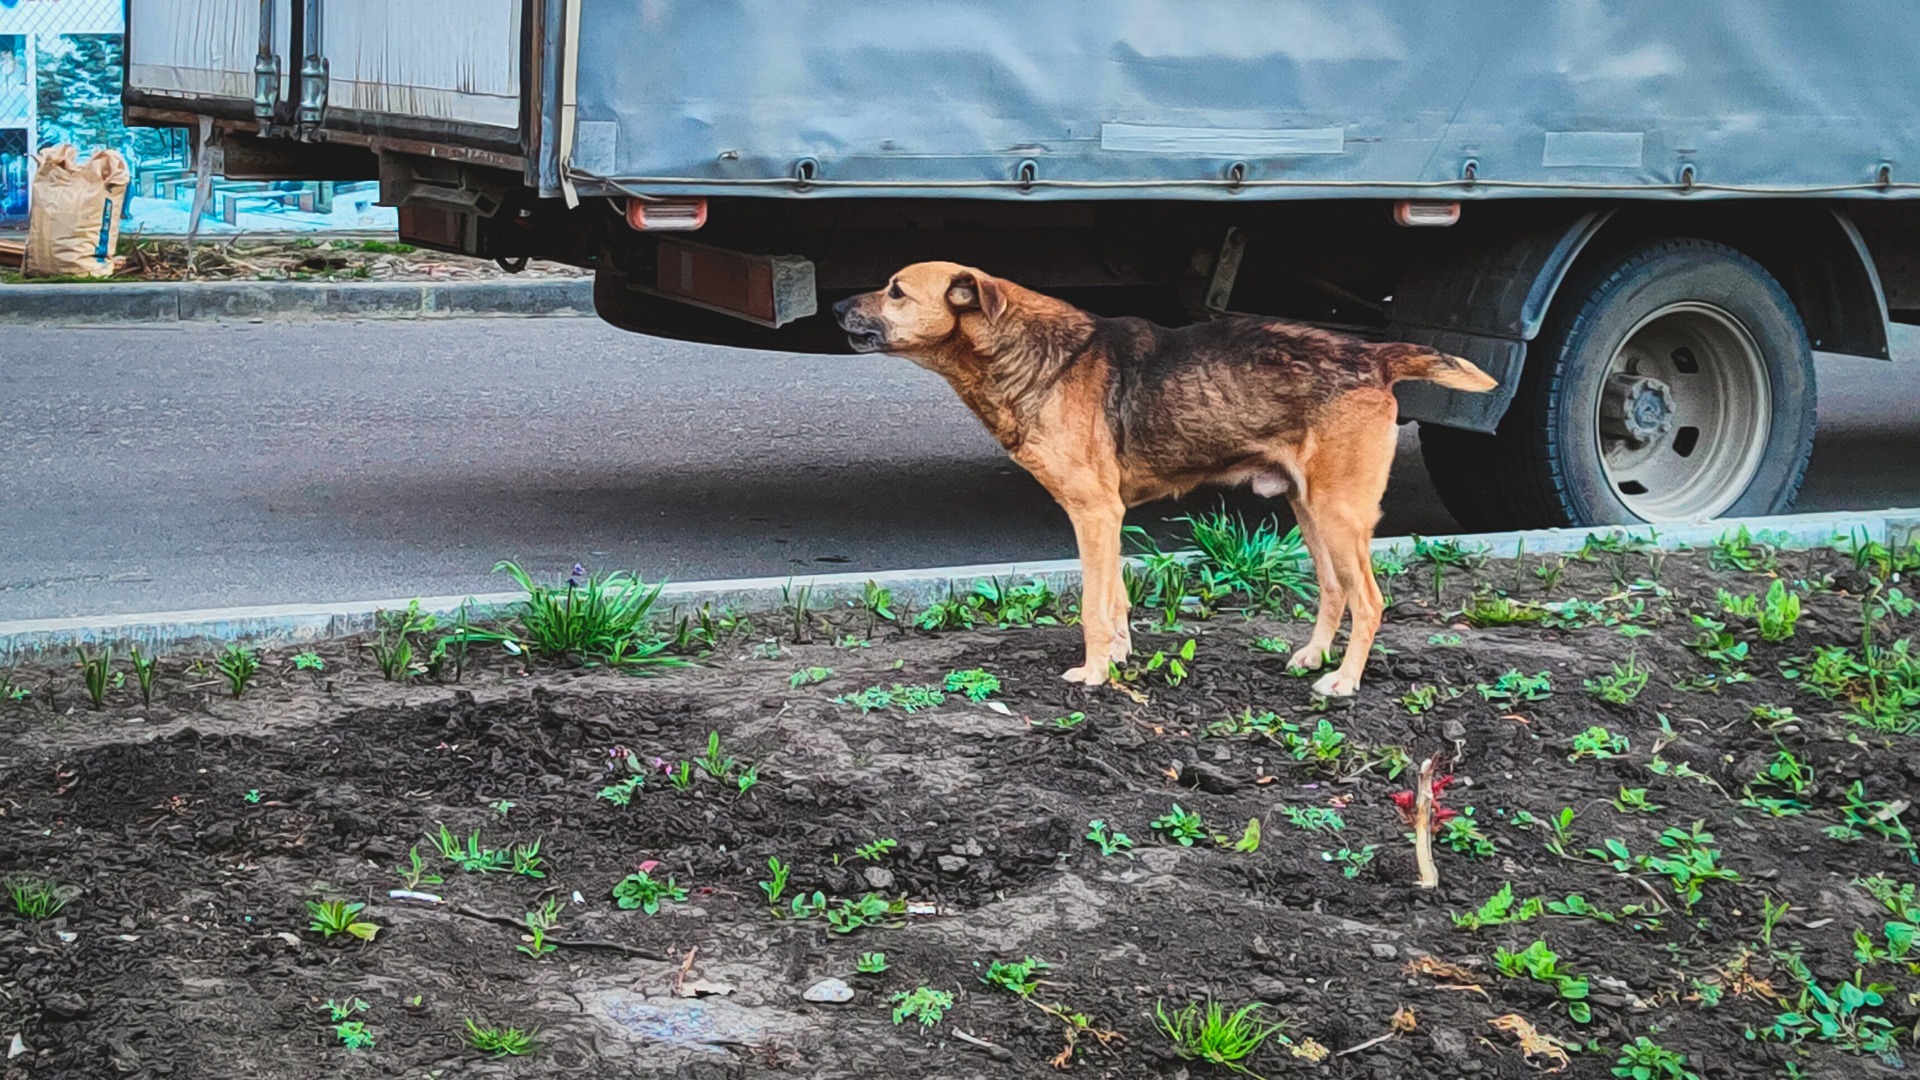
{"points": [[1674, 382]]}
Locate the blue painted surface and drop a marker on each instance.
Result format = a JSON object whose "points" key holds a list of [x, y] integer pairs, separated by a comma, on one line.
{"points": [[1161, 98]]}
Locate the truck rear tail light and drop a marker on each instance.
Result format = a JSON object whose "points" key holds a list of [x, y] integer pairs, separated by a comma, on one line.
{"points": [[771, 290], [1415, 212], [663, 215]]}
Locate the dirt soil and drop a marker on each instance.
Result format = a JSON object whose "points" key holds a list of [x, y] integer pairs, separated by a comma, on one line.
{"points": [[185, 950]]}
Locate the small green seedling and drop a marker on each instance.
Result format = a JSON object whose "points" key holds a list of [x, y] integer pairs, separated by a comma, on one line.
{"points": [[253, 796], [1070, 721], [871, 963], [846, 916], [1501, 908], [1598, 743], [1110, 843], [36, 897], [1314, 818], [640, 890], [353, 1034], [143, 670], [472, 858], [976, 684], [1513, 687], [1644, 1059], [875, 851], [923, 1004], [527, 860], [332, 918], [776, 885], [1020, 977], [1181, 826], [500, 1041], [1622, 685], [308, 661], [1351, 861], [1542, 964], [1209, 1033], [96, 670], [809, 676], [1634, 800], [415, 874], [238, 663], [1461, 834], [537, 924]]}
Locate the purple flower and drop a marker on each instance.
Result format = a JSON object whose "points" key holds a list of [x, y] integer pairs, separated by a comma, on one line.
{"points": [[573, 579]]}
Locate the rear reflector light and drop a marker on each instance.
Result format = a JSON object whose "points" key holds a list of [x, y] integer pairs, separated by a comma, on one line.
{"points": [[771, 290], [1425, 212], [663, 215]]}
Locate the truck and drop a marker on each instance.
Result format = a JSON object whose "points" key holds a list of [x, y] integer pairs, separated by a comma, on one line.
{"points": [[1642, 219]]}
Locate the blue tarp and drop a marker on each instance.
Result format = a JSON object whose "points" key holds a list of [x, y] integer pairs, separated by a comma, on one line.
{"points": [[1164, 98]]}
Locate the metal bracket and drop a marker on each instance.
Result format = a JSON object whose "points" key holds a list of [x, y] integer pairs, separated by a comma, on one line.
{"points": [[1210, 288], [314, 71], [266, 72]]}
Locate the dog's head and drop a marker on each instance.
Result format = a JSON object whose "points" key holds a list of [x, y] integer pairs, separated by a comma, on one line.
{"points": [[923, 306]]}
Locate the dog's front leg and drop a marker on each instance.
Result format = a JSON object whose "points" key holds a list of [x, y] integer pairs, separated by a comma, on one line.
{"points": [[1096, 529]]}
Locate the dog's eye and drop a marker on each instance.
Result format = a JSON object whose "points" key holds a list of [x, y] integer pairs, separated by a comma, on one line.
{"points": [[894, 293]]}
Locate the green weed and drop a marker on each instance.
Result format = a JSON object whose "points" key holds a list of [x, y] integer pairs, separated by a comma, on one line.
{"points": [[1500, 909], [922, 1004], [331, 918], [500, 1041], [238, 664], [1211, 1034], [1110, 843], [1622, 686], [640, 890], [1182, 827]]}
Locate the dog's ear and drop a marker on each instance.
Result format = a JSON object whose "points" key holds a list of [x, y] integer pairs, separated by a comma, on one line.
{"points": [[973, 289]]}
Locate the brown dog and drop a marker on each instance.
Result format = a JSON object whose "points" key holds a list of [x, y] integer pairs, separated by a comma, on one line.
{"points": [[1109, 413]]}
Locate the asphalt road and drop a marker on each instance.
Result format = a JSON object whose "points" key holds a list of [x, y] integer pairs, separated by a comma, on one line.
{"points": [[200, 465]]}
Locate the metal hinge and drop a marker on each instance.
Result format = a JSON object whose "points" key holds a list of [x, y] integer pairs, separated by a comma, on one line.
{"points": [[312, 110], [266, 71]]}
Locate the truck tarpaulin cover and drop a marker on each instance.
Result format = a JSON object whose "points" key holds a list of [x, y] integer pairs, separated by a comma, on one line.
{"points": [[1246, 98]]}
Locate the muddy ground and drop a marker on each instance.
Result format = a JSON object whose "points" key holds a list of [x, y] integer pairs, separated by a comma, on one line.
{"points": [[190, 835]]}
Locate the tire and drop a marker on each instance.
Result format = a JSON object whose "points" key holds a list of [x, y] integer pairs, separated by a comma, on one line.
{"points": [[1672, 382]]}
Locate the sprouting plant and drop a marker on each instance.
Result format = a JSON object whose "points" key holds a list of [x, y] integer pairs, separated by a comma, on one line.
{"points": [[599, 618], [414, 874], [1693, 861], [1488, 609], [143, 670], [1840, 1016], [308, 661], [1462, 835], [1562, 825], [871, 963], [922, 1004], [1644, 1059], [1635, 800], [1425, 697], [36, 897], [640, 890], [875, 851], [1110, 843], [1513, 687], [809, 676], [1550, 574], [1274, 645], [1542, 964], [1501, 908], [1597, 742], [500, 1041], [905, 698], [807, 907], [1351, 861], [1069, 722], [1257, 560], [1737, 549], [715, 762], [1896, 897], [537, 924], [878, 602], [1183, 827], [1771, 912], [472, 857], [681, 776], [1716, 643], [846, 916], [238, 663], [501, 806], [96, 670], [1211, 1034], [1175, 664], [353, 1034], [1861, 815], [1780, 612], [1445, 641], [621, 791], [1576, 906], [527, 860], [1020, 977], [393, 646], [747, 778], [1314, 818], [253, 796], [975, 683], [334, 917], [1622, 686], [776, 884]]}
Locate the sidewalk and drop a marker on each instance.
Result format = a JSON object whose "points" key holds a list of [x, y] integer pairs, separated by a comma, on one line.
{"points": [[194, 301]]}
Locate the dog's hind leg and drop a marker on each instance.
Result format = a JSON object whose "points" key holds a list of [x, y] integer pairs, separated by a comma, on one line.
{"points": [[1345, 480], [1333, 594]]}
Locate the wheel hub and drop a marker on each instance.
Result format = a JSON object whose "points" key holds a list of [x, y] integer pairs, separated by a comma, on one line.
{"points": [[1637, 408]]}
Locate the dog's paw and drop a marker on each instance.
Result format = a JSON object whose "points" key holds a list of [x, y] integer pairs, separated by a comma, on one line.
{"points": [[1122, 646], [1308, 659], [1087, 675], [1334, 684]]}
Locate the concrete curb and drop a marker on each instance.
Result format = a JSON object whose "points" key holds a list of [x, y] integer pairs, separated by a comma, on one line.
{"points": [[199, 301], [292, 624]]}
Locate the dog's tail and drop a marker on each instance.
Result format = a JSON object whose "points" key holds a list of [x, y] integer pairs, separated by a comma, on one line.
{"points": [[1402, 361]]}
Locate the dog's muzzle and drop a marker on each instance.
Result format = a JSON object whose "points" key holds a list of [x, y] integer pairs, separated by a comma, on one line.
{"points": [[862, 332]]}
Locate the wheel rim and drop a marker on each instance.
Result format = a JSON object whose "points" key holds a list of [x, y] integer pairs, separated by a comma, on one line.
{"points": [[1684, 413]]}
